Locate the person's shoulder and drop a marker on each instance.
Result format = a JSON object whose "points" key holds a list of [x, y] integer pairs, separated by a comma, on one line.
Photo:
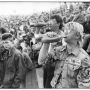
{"points": [[84, 54], [78, 15], [24, 54], [85, 58], [16, 52], [82, 51]]}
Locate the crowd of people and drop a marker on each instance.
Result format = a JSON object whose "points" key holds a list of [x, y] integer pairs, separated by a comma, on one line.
{"points": [[60, 45]]}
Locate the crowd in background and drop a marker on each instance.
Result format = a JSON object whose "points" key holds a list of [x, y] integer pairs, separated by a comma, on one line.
{"points": [[21, 44]]}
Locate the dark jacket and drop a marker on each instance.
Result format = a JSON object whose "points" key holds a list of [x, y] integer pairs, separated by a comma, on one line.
{"points": [[12, 66], [27, 61], [86, 26]]}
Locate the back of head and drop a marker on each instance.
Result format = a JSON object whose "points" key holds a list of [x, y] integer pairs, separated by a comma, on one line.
{"points": [[80, 7], [87, 17], [3, 30], [20, 48]]}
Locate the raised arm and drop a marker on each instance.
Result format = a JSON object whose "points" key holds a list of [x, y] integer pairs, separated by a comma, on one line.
{"points": [[43, 53], [50, 40], [51, 37]]}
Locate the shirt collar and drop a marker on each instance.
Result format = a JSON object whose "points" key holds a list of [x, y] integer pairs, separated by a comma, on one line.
{"points": [[75, 51]]}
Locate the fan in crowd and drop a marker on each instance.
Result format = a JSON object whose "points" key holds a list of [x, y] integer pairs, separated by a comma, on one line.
{"points": [[60, 45]]}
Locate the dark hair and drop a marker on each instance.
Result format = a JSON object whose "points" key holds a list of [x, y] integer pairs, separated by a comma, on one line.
{"points": [[6, 36], [20, 48], [12, 32], [32, 34], [80, 8], [58, 19], [3, 30], [48, 30]]}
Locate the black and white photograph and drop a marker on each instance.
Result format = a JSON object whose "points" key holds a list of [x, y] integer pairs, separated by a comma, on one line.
{"points": [[44, 45]]}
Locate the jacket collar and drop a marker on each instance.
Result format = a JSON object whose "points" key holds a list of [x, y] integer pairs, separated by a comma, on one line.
{"points": [[75, 51]]}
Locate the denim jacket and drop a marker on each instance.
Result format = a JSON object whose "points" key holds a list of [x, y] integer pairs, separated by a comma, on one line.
{"points": [[12, 66]]}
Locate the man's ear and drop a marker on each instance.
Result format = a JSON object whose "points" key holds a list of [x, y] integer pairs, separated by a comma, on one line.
{"points": [[59, 24]]}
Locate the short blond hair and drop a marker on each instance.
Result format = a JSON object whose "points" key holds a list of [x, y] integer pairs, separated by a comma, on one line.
{"points": [[77, 27]]}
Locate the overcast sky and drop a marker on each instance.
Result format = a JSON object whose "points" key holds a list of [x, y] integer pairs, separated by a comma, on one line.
{"points": [[24, 8]]}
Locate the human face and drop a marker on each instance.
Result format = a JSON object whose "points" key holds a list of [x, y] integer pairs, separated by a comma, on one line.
{"points": [[67, 13], [70, 35], [32, 29], [53, 25]]}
